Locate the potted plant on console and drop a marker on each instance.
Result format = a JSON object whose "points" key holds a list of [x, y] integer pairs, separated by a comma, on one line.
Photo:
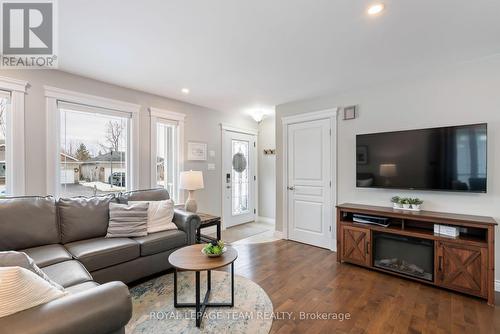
{"points": [[416, 203], [395, 202], [405, 203]]}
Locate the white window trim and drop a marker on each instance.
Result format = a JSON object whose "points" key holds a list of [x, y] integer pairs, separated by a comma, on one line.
{"points": [[52, 96], [15, 148], [176, 118]]}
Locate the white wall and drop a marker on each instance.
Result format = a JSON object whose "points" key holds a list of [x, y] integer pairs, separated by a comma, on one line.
{"points": [[202, 124], [469, 93], [267, 168]]}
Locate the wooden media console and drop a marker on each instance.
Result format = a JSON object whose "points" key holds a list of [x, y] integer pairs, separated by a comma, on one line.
{"points": [[409, 248]]}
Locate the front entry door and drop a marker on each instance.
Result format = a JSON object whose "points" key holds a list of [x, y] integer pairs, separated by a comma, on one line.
{"points": [[309, 182], [239, 179]]}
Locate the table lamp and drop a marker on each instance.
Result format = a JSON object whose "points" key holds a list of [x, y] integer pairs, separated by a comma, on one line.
{"points": [[191, 180]]}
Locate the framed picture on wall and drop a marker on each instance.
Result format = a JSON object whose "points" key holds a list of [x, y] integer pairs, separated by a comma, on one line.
{"points": [[197, 151]]}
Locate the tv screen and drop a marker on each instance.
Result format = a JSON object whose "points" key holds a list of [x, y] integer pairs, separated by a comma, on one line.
{"points": [[448, 159]]}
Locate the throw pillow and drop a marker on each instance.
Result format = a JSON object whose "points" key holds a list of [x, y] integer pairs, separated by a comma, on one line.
{"points": [[20, 259], [21, 289], [127, 220], [160, 215]]}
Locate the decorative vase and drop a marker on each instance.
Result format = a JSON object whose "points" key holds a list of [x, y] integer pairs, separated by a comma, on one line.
{"points": [[406, 206], [415, 206], [396, 205]]}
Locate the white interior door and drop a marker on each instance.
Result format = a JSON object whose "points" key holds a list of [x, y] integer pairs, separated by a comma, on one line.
{"points": [[309, 182], [239, 179]]}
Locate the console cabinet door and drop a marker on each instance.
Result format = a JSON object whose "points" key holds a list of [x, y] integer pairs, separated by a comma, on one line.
{"points": [[356, 245], [462, 267]]}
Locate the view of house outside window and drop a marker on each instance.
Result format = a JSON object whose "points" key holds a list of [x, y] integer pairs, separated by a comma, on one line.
{"points": [[4, 107], [165, 157], [93, 153]]}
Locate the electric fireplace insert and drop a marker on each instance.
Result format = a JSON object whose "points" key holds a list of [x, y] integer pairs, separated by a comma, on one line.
{"points": [[404, 255]]}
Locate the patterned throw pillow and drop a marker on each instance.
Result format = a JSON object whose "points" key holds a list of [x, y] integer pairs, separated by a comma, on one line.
{"points": [[21, 289], [160, 215], [20, 259], [127, 220]]}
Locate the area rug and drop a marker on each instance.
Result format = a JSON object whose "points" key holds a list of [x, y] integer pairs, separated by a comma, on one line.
{"points": [[154, 312]]}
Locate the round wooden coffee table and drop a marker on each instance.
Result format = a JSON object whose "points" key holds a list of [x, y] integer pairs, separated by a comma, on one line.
{"points": [[191, 258]]}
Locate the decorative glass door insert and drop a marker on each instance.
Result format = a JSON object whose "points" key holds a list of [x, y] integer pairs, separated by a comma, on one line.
{"points": [[240, 177]]}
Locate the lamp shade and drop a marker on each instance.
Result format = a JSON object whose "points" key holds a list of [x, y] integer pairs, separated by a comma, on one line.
{"points": [[191, 180], [388, 170]]}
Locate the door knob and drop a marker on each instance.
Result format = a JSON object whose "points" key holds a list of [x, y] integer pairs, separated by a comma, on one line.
{"points": [[291, 188]]}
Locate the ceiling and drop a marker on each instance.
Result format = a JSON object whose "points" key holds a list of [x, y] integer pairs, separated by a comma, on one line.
{"points": [[239, 54]]}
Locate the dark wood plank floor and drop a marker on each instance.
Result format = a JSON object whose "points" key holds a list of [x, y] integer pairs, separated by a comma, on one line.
{"points": [[301, 278]]}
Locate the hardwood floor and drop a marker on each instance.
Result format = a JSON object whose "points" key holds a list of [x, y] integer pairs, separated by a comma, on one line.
{"points": [[301, 278]]}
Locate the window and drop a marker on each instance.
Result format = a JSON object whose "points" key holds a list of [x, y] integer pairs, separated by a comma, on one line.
{"points": [[166, 151], [109, 132], [94, 150], [4, 110], [165, 158], [12, 173]]}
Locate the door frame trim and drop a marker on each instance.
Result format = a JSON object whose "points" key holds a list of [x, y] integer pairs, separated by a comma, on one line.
{"points": [[252, 132], [330, 114]]}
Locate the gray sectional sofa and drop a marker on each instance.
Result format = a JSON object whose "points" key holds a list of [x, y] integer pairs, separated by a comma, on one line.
{"points": [[66, 239]]}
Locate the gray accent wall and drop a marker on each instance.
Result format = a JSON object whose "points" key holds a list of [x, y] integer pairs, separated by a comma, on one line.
{"points": [[464, 94], [201, 124]]}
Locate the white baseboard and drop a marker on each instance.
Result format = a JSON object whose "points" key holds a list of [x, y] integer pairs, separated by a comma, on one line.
{"points": [[497, 285], [278, 234], [266, 220]]}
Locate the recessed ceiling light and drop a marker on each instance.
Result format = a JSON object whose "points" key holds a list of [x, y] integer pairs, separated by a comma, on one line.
{"points": [[376, 9], [185, 90]]}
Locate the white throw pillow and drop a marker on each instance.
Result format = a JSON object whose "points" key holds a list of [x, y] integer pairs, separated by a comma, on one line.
{"points": [[21, 259], [21, 289], [160, 215]]}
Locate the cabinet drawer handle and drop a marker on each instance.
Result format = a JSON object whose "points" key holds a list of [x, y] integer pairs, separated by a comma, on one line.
{"points": [[367, 247]]}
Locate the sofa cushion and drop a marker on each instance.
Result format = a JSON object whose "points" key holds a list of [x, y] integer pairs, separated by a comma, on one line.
{"points": [[48, 254], [84, 218], [68, 273], [27, 222], [159, 194], [100, 253], [161, 241], [81, 287]]}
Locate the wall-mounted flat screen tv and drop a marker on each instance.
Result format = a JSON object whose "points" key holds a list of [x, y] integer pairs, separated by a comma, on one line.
{"points": [[445, 159]]}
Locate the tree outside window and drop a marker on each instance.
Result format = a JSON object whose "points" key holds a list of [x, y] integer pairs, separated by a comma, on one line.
{"points": [[93, 153]]}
